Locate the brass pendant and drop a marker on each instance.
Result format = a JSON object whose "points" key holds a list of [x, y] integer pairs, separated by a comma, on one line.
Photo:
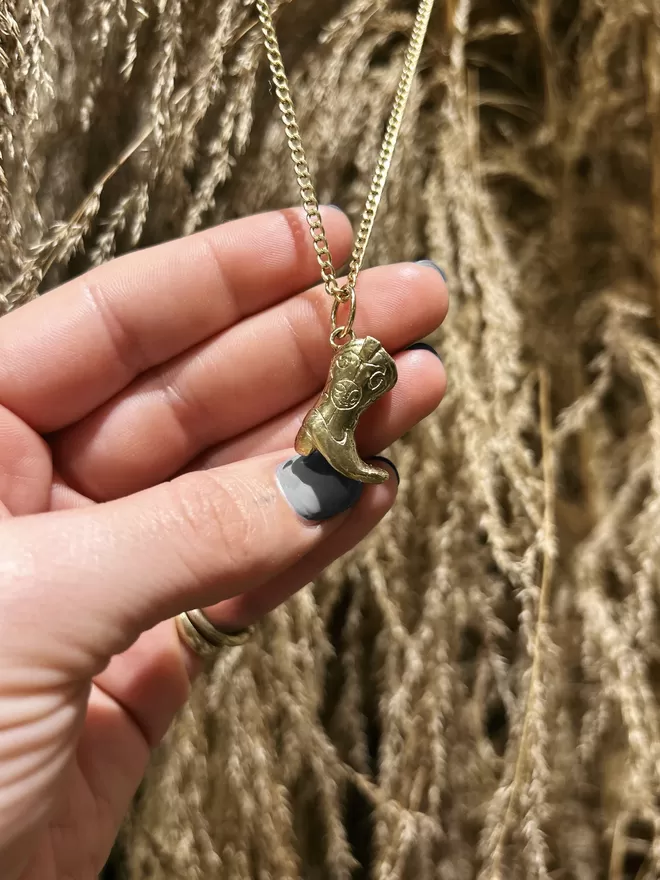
{"points": [[360, 373]]}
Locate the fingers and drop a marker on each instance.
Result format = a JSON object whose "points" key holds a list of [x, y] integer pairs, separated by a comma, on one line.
{"points": [[420, 388], [150, 681], [88, 581], [242, 610], [135, 678], [63, 355], [256, 370]]}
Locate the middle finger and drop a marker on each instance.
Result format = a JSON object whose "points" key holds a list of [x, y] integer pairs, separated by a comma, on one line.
{"points": [[236, 380]]}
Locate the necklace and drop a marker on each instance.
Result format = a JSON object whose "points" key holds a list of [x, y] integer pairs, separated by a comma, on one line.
{"points": [[361, 370]]}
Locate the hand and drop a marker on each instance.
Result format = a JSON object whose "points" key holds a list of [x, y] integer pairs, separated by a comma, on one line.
{"points": [[144, 411]]}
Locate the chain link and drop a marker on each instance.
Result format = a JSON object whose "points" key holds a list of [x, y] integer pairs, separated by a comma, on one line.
{"points": [[345, 293]]}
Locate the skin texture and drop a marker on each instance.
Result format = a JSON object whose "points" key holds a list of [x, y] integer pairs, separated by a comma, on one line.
{"points": [[144, 410]]}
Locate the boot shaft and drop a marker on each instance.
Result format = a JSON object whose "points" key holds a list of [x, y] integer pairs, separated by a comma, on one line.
{"points": [[360, 373]]}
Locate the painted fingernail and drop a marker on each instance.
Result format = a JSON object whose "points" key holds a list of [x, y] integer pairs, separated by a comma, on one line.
{"points": [[314, 489], [432, 265], [423, 346], [389, 464]]}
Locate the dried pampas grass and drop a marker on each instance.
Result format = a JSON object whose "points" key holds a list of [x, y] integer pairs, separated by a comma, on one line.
{"points": [[473, 692]]}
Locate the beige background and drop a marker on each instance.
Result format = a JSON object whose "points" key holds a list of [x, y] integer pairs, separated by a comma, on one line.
{"points": [[472, 692]]}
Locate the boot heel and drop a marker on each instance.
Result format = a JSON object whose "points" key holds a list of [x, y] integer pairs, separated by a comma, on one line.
{"points": [[304, 444]]}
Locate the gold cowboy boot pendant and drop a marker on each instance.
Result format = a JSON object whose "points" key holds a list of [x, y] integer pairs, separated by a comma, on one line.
{"points": [[360, 373]]}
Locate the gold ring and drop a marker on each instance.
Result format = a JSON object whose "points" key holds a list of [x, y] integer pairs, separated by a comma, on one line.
{"points": [[205, 639]]}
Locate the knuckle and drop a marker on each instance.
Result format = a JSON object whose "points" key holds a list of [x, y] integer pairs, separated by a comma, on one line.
{"points": [[213, 253], [305, 329], [221, 526], [126, 346], [318, 301]]}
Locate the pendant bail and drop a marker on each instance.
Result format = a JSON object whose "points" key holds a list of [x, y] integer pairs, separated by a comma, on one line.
{"points": [[345, 330]]}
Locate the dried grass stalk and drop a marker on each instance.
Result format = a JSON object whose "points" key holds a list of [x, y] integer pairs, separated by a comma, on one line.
{"points": [[474, 691]]}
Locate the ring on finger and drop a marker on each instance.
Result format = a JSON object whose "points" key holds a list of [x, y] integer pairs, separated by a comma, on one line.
{"points": [[203, 638]]}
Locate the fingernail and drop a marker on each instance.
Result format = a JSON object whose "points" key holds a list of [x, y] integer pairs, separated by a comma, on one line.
{"points": [[423, 346], [389, 464], [336, 207], [314, 489], [432, 265]]}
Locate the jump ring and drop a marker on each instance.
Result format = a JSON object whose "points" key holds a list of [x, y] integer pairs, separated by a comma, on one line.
{"points": [[348, 324], [339, 333]]}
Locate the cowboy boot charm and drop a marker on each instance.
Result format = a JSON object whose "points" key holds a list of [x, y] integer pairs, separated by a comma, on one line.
{"points": [[360, 373]]}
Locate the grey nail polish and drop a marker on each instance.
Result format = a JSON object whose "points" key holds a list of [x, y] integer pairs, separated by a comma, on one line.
{"points": [[432, 265], [314, 489], [423, 346], [388, 462]]}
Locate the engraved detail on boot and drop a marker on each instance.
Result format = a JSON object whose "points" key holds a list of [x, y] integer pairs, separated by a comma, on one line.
{"points": [[376, 381], [345, 394], [360, 373]]}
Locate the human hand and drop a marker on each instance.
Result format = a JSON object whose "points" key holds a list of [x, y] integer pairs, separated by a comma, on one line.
{"points": [[144, 410]]}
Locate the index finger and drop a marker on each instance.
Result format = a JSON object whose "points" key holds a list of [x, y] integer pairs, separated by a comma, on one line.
{"points": [[65, 354]]}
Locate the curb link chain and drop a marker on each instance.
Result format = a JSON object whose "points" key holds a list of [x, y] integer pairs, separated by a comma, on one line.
{"points": [[341, 333]]}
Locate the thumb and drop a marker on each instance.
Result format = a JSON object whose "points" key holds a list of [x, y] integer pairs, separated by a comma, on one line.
{"points": [[85, 583]]}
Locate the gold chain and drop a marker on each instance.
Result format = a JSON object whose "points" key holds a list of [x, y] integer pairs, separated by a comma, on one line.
{"points": [[345, 294]]}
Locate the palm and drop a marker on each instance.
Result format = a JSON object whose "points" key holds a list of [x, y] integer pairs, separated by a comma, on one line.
{"points": [[107, 758], [119, 382]]}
